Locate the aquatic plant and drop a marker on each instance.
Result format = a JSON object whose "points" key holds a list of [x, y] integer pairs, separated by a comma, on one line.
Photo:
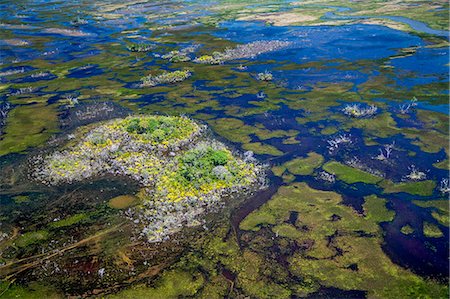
{"points": [[415, 174], [405, 108], [265, 76], [140, 47], [165, 78], [355, 110]]}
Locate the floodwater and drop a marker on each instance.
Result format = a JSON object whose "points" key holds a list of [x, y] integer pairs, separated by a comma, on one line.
{"points": [[322, 70]]}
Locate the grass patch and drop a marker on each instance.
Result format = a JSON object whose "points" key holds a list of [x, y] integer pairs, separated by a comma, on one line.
{"points": [[349, 174], [422, 188]]}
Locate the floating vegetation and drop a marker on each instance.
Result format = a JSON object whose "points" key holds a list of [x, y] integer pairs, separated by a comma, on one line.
{"points": [[140, 47], [165, 78], [358, 111], [182, 172], [341, 211]]}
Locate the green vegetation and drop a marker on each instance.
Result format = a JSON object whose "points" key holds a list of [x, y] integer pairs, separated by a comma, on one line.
{"points": [[159, 129], [407, 229], [329, 226], [375, 209], [262, 149], [349, 174], [422, 188], [165, 78], [431, 231], [171, 284], [169, 158], [31, 238], [140, 47], [439, 209], [300, 166], [204, 169], [71, 220], [32, 291], [28, 126]]}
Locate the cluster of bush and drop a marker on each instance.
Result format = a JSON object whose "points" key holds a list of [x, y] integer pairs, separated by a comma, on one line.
{"points": [[165, 78], [140, 47], [182, 171]]}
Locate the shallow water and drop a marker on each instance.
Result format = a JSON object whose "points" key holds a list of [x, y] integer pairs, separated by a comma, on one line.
{"points": [[324, 69]]}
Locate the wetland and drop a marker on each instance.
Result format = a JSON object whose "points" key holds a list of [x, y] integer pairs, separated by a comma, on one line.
{"points": [[197, 149]]}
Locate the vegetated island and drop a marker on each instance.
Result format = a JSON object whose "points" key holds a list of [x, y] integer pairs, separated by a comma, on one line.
{"points": [[182, 169]]}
